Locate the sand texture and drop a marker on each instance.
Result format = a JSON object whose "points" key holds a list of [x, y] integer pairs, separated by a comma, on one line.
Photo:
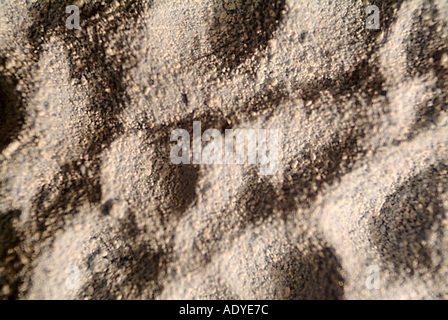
{"points": [[356, 210]]}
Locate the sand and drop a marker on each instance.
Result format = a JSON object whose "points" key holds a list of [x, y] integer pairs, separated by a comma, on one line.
{"points": [[91, 206]]}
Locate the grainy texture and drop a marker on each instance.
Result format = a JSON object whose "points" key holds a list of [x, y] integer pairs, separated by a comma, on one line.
{"points": [[86, 178]]}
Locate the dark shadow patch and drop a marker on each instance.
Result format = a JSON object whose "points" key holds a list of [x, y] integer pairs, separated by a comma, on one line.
{"points": [[107, 207], [12, 257], [264, 102], [365, 80], [406, 220], [256, 204], [316, 275], [257, 201], [425, 43], [317, 169], [72, 187], [11, 109], [424, 55], [179, 185], [240, 27], [134, 270], [178, 182], [185, 98]]}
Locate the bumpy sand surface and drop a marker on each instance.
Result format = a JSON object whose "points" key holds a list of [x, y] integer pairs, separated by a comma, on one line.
{"points": [[87, 185]]}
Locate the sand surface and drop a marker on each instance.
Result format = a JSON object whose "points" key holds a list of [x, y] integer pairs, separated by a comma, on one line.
{"points": [[91, 206]]}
